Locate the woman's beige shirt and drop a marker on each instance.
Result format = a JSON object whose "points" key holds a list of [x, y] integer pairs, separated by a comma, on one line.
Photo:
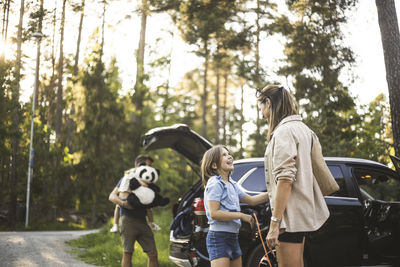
{"points": [[288, 156]]}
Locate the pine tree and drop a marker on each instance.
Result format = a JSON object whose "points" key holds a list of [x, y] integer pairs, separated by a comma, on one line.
{"points": [[373, 141], [100, 131], [315, 59]]}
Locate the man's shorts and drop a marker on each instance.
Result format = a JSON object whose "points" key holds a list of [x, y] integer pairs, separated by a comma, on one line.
{"points": [[132, 230]]}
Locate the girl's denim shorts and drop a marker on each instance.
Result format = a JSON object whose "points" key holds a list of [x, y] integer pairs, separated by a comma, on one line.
{"points": [[223, 245]]}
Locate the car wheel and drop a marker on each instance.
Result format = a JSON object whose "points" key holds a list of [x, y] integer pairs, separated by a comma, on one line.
{"points": [[257, 255]]}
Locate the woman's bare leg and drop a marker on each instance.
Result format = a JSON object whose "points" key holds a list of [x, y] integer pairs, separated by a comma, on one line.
{"points": [[290, 254]]}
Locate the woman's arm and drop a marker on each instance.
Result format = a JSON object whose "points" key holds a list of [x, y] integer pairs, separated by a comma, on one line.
{"points": [[222, 215], [283, 191], [254, 200]]}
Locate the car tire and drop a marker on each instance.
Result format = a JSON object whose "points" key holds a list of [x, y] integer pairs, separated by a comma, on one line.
{"points": [[256, 256]]}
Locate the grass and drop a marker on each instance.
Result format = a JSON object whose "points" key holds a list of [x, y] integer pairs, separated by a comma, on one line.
{"points": [[104, 248]]}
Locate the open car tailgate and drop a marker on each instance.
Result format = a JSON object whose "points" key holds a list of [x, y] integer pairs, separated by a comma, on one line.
{"points": [[178, 137]]}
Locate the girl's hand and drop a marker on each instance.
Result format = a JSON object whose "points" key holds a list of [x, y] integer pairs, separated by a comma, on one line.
{"points": [[249, 219], [143, 183], [272, 237]]}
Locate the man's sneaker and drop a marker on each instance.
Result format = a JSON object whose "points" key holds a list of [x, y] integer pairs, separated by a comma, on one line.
{"points": [[114, 229]]}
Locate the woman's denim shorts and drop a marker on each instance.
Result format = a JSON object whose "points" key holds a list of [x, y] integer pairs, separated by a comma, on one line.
{"points": [[223, 245]]}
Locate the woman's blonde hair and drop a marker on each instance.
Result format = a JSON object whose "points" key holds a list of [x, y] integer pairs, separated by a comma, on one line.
{"points": [[213, 155], [282, 105]]}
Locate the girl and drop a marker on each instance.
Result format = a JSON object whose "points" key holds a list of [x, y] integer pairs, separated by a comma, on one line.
{"points": [[221, 198], [297, 204]]}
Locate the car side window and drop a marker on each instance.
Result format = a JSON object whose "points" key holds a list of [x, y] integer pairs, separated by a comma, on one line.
{"points": [[240, 170], [378, 184], [256, 181], [339, 177]]}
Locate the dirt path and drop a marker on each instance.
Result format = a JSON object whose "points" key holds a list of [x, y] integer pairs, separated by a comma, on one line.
{"points": [[39, 249]]}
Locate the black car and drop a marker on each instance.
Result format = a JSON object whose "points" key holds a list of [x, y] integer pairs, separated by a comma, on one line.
{"points": [[363, 227]]}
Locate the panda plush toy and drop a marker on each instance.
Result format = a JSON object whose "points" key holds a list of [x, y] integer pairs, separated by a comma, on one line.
{"points": [[145, 196]]}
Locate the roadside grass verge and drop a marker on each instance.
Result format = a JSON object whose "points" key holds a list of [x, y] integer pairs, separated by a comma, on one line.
{"points": [[104, 248]]}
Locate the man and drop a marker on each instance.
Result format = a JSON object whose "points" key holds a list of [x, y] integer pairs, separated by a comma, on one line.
{"points": [[133, 224], [139, 161]]}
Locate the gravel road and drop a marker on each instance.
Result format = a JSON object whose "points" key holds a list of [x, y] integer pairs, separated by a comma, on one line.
{"points": [[43, 249]]}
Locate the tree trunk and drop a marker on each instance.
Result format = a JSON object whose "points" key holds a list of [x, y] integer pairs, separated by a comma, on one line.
{"points": [[102, 30], [12, 211], [78, 43], [40, 26], [217, 107], [51, 86], [94, 202], [4, 21], [60, 77], [257, 57], [142, 43], [140, 90], [71, 125], [50, 98], [224, 108], [205, 93], [166, 97], [390, 35], [241, 119], [4, 30]]}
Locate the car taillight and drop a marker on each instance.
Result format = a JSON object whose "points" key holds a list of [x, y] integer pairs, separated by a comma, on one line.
{"points": [[198, 206], [200, 222], [193, 258]]}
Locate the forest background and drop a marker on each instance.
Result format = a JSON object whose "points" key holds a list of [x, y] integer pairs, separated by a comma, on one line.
{"points": [[92, 109]]}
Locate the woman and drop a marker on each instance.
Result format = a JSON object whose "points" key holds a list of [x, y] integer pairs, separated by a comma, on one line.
{"points": [[221, 199], [297, 204]]}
